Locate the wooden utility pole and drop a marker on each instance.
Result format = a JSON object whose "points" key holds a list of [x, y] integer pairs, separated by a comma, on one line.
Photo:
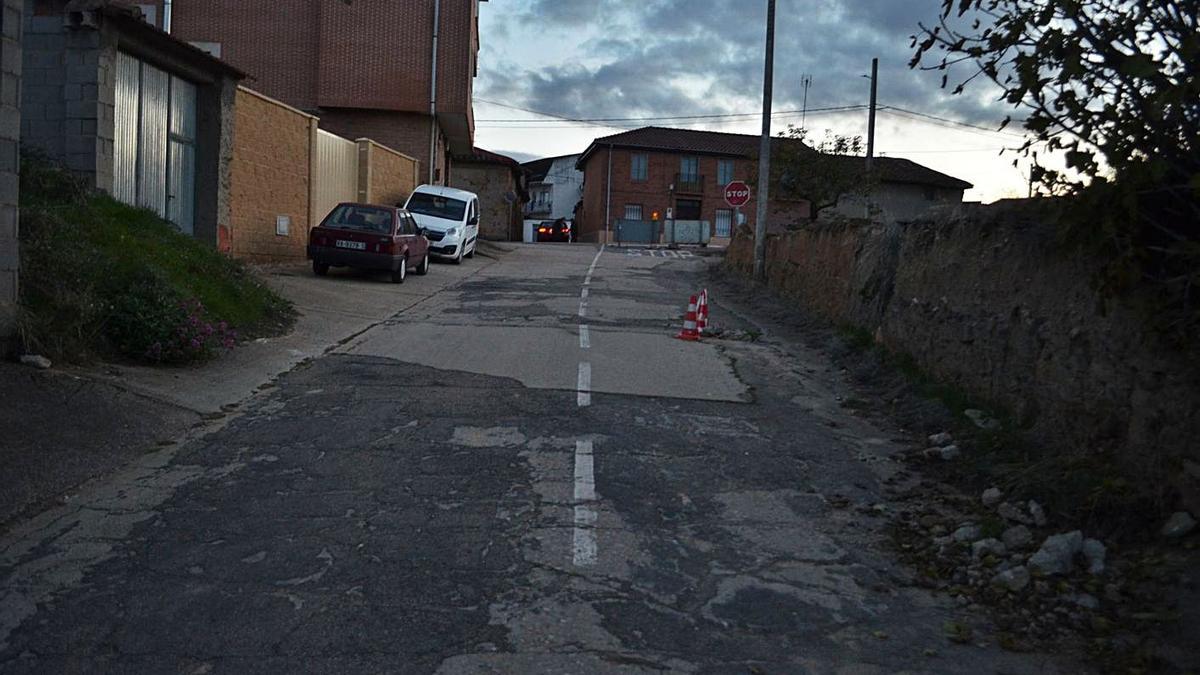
{"points": [[764, 152], [871, 115]]}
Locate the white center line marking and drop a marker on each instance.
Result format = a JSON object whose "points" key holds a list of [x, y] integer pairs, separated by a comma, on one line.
{"points": [[585, 384], [585, 338], [584, 545]]}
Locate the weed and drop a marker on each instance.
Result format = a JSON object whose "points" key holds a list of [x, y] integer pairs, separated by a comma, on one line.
{"points": [[101, 278]]}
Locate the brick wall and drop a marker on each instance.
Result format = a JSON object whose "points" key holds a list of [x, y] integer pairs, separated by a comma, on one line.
{"points": [[11, 29], [389, 175], [326, 55], [276, 46], [499, 220], [271, 156], [653, 194]]}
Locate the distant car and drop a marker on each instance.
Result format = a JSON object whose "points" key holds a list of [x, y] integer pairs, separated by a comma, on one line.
{"points": [[554, 230], [369, 237], [450, 218]]}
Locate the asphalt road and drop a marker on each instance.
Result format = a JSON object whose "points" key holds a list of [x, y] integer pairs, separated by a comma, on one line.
{"points": [[521, 472]]}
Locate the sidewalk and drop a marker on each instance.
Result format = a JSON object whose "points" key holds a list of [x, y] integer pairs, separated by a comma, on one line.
{"points": [[65, 426]]}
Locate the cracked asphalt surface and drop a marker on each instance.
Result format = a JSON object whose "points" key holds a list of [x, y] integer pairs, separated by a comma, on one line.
{"points": [[409, 503]]}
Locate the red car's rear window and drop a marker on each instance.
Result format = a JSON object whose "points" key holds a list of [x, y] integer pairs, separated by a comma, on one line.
{"points": [[366, 218]]}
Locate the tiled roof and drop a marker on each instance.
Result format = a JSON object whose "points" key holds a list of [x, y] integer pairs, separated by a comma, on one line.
{"points": [[538, 168], [891, 169], [488, 157]]}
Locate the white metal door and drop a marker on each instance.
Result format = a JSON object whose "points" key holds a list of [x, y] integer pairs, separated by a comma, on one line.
{"points": [[336, 177], [181, 153], [155, 159]]}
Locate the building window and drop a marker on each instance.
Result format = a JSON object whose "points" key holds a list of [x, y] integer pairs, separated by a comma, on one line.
{"points": [[689, 169], [633, 212], [724, 225], [724, 172], [687, 209], [213, 48], [638, 169]]}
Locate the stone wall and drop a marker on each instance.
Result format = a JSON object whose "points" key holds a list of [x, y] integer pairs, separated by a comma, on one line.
{"points": [[272, 145], [11, 29], [984, 299], [499, 219]]}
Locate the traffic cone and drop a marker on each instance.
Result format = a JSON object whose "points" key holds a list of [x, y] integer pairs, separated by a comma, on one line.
{"points": [[689, 331], [702, 312]]}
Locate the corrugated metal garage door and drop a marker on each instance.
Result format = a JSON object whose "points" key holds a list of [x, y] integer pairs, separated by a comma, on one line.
{"points": [[336, 177], [155, 163]]}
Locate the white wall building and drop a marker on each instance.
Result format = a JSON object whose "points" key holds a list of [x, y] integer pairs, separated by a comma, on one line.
{"points": [[555, 187]]}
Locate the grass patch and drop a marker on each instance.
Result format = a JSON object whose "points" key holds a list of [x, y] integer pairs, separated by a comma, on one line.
{"points": [[102, 279]]}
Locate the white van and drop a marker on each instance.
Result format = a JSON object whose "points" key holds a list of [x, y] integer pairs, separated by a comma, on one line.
{"points": [[449, 218]]}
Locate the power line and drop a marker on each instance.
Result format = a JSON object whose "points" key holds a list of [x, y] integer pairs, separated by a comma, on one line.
{"points": [[946, 120], [660, 118]]}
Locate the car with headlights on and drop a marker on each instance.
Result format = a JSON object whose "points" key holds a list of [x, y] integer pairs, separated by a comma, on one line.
{"points": [[369, 237]]}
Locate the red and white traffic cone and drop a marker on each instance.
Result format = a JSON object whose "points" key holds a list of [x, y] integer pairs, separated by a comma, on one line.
{"points": [[702, 312], [689, 331]]}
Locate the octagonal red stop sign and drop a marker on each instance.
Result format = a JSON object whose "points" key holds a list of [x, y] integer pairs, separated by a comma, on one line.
{"points": [[737, 193]]}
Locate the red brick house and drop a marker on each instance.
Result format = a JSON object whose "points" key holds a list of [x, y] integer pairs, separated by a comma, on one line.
{"points": [[640, 174], [365, 68]]}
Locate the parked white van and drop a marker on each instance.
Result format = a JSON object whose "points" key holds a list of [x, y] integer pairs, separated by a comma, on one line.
{"points": [[449, 218]]}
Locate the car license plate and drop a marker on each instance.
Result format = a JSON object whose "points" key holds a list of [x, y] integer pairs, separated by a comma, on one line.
{"points": [[356, 245]]}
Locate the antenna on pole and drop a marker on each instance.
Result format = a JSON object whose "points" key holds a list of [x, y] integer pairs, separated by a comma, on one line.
{"points": [[806, 82]]}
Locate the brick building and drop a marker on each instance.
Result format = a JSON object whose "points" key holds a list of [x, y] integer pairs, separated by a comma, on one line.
{"points": [[648, 173], [499, 182], [365, 68]]}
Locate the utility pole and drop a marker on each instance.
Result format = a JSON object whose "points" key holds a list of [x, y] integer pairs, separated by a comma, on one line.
{"points": [[871, 117], [806, 82], [764, 152]]}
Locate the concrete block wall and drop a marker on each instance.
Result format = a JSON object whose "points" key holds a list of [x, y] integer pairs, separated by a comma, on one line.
{"points": [[273, 174], [68, 101], [270, 178], [407, 133], [390, 176], [11, 31]]}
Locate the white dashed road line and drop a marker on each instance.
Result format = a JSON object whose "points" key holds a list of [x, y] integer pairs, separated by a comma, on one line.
{"points": [[585, 384], [584, 547]]}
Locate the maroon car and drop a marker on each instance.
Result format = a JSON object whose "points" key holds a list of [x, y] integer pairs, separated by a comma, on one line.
{"points": [[369, 237]]}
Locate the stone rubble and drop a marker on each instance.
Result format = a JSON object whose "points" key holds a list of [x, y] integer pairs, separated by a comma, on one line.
{"points": [[1094, 552], [1179, 525], [1013, 579], [36, 361], [1057, 554], [1017, 536], [941, 440], [991, 497]]}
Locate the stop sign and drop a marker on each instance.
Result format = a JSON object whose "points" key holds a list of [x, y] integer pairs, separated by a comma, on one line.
{"points": [[737, 193]]}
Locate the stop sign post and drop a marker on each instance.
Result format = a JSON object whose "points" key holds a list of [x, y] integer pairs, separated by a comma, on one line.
{"points": [[737, 193]]}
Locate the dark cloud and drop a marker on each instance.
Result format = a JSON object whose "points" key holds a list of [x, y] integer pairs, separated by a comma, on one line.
{"points": [[671, 57]]}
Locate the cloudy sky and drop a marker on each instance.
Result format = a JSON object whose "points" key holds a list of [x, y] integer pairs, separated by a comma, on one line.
{"points": [[589, 59]]}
